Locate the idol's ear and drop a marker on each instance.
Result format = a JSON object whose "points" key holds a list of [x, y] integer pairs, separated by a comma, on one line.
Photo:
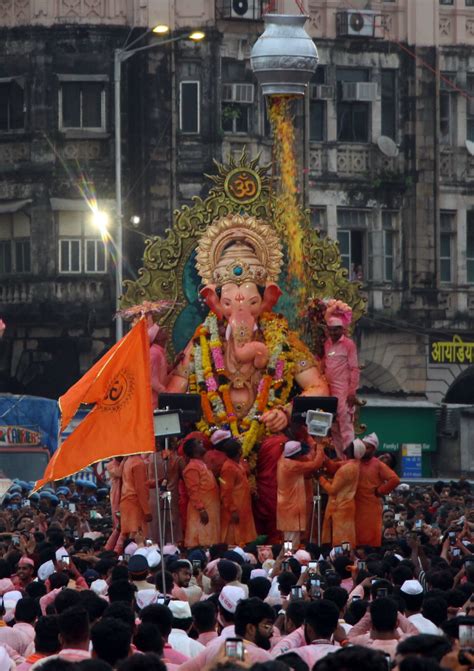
{"points": [[212, 300], [270, 297]]}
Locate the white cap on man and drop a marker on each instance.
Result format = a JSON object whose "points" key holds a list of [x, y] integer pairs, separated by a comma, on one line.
{"points": [[230, 596], [291, 448], [411, 587], [371, 439]]}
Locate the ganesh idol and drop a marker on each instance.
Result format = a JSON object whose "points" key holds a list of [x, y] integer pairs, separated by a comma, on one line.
{"points": [[243, 360]]}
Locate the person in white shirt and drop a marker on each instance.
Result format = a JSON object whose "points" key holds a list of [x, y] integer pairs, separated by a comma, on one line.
{"points": [[412, 594], [182, 623]]}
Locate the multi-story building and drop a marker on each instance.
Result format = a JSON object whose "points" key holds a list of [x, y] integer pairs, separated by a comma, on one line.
{"points": [[387, 147]]}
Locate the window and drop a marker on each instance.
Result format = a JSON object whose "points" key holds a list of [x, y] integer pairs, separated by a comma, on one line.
{"points": [[470, 247], [447, 114], [70, 256], [22, 256], [235, 118], [447, 228], [95, 256], [352, 115], [15, 247], [389, 104], [5, 257], [81, 249], [470, 107], [317, 107], [388, 241], [82, 102], [318, 219], [352, 227], [238, 91], [445, 257], [446, 2], [388, 255], [469, 3], [12, 105], [190, 107]]}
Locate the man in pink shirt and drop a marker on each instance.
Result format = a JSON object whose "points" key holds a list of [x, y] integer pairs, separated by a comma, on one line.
{"points": [[25, 573], [342, 372], [383, 634], [205, 621], [253, 623], [74, 635], [321, 622], [26, 612], [46, 642]]}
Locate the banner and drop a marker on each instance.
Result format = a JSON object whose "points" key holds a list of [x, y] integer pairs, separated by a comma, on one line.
{"points": [[451, 350], [121, 421], [28, 421]]}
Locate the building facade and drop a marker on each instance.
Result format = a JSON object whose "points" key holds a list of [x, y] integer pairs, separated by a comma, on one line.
{"points": [[386, 138]]}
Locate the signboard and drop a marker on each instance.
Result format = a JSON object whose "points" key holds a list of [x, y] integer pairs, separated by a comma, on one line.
{"points": [[411, 461], [19, 435], [449, 351], [397, 425], [28, 421]]}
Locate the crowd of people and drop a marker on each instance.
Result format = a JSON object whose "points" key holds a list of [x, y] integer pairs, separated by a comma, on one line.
{"points": [[67, 603]]}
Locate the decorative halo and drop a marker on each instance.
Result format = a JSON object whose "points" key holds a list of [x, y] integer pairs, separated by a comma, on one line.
{"points": [[263, 256]]}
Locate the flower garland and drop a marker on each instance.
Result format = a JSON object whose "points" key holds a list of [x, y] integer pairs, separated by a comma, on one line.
{"points": [[289, 213], [208, 378]]}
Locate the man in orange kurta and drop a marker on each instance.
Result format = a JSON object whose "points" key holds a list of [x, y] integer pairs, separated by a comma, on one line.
{"points": [[376, 479], [339, 517], [203, 513], [237, 523], [134, 505], [291, 489]]}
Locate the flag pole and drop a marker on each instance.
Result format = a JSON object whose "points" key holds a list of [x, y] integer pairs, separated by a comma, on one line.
{"points": [[158, 512]]}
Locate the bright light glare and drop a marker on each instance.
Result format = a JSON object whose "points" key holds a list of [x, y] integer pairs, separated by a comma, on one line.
{"points": [[161, 29], [197, 35], [101, 221]]}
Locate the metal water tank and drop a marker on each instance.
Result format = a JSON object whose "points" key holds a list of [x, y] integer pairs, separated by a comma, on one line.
{"points": [[284, 58]]}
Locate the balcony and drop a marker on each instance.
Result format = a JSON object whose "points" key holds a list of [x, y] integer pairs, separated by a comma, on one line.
{"points": [[354, 161], [63, 291]]}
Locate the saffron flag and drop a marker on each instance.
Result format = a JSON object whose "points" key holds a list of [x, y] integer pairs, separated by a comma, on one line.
{"points": [[121, 421]]}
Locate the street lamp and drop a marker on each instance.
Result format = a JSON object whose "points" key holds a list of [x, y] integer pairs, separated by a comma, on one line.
{"points": [[120, 56]]}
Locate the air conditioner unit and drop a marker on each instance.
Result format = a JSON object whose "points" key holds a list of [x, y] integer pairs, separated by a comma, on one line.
{"points": [[355, 24], [360, 91], [245, 9], [238, 93], [321, 92]]}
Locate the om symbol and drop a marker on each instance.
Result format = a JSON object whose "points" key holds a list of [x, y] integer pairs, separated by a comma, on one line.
{"points": [[242, 185], [118, 391]]}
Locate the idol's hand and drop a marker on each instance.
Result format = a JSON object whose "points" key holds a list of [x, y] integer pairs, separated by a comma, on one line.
{"points": [[275, 420]]}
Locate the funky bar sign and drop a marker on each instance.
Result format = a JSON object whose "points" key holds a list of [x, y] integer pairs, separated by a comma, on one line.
{"points": [[451, 351]]}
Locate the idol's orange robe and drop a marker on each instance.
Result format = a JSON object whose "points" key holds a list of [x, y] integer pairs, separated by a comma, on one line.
{"points": [[339, 518], [291, 491], [134, 504], [203, 493], [236, 498], [375, 477]]}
